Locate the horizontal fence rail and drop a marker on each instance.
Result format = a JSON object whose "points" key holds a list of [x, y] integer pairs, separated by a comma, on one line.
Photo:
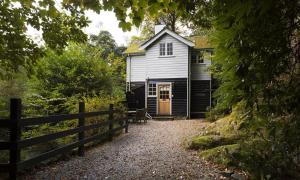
{"points": [[15, 144]]}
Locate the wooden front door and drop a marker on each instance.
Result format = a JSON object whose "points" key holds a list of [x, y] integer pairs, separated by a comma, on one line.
{"points": [[164, 99]]}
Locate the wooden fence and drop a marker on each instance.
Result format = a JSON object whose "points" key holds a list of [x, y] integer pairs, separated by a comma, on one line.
{"points": [[15, 124]]}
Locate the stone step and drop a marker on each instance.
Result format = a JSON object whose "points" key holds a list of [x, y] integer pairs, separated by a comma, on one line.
{"points": [[163, 118]]}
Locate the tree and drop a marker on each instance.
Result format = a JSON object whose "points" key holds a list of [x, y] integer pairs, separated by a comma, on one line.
{"points": [[257, 63], [58, 25], [15, 87], [104, 40], [78, 71]]}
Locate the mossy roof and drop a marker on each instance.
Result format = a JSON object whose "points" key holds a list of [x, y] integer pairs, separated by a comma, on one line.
{"points": [[201, 42], [133, 49]]}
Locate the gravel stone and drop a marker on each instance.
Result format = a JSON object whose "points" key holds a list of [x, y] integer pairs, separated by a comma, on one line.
{"points": [[148, 151]]}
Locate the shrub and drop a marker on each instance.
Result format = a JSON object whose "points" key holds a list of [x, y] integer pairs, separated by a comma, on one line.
{"points": [[222, 154]]}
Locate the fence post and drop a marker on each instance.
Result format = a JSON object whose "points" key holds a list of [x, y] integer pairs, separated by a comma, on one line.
{"points": [[126, 125], [111, 119], [15, 134], [81, 123], [126, 122]]}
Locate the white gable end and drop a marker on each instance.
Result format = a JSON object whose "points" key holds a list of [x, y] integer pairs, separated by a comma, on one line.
{"points": [[175, 66], [170, 33]]}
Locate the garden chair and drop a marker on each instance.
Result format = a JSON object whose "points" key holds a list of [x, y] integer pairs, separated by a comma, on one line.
{"points": [[140, 115]]}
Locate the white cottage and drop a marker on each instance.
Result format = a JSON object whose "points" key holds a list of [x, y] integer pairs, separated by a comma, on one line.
{"points": [[168, 74]]}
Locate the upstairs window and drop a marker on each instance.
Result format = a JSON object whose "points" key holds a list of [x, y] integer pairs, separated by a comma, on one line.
{"points": [[165, 49], [162, 49], [197, 57], [169, 49], [152, 90]]}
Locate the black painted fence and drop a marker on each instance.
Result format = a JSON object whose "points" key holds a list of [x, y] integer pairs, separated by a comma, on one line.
{"points": [[15, 124]]}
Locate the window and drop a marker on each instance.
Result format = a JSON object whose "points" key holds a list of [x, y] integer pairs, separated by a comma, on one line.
{"points": [[200, 58], [152, 89], [194, 58], [169, 49], [197, 57], [162, 49], [164, 92]]}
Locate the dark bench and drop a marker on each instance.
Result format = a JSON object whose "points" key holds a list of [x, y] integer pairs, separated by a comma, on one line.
{"points": [[138, 115]]}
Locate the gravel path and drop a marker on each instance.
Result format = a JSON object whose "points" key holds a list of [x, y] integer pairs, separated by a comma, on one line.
{"points": [[149, 151]]}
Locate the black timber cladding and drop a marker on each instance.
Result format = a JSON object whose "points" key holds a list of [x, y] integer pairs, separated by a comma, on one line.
{"points": [[151, 102], [200, 97], [179, 99], [138, 90]]}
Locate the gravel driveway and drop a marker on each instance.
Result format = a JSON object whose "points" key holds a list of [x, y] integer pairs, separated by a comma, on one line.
{"points": [[149, 151]]}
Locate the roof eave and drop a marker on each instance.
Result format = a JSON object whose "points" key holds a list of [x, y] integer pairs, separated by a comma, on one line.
{"points": [[209, 48], [135, 53]]}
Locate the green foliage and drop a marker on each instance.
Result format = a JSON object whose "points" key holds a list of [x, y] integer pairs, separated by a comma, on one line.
{"points": [[267, 149], [66, 73], [62, 22], [118, 75], [78, 71], [257, 60], [16, 85], [211, 141], [257, 64], [222, 154], [92, 104], [58, 25], [61, 81], [140, 8], [104, 40], [101, 103]]}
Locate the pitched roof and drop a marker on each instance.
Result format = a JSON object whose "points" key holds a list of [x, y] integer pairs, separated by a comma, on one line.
{"points": [[134, 48], [199, 42], [171, 33]]}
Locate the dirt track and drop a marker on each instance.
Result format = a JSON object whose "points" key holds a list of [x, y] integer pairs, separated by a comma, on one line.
{"points": [[149, 151]]}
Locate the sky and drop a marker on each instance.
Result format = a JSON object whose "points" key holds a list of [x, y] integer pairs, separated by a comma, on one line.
{"points": [[106, 20]]}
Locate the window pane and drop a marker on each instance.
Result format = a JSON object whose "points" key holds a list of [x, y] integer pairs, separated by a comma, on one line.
{"points": [[200, 58], [197, 57], [194, 58], [152, 89], [162, 49], [170, 49]]}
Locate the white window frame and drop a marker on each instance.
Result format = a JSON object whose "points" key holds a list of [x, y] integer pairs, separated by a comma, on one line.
{"points": [[198, 55], [170, 49], [149, 86], [162, 49]]}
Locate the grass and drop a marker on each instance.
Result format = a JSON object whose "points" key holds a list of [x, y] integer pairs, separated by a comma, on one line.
{"points": [[211, 141], [221, 154], [233, 141], [220, 140]]}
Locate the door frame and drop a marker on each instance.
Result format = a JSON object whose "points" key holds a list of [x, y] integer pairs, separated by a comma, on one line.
{"points": [[158, 96]]}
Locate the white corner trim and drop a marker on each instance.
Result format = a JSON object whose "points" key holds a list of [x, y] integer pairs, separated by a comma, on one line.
{"points": [[171, 33]]}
